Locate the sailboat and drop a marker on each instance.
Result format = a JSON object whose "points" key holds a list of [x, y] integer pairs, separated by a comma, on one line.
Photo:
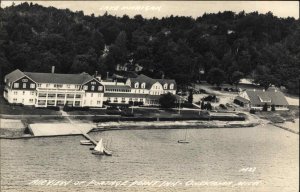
{"points": [[183, 140], [101, 150]]}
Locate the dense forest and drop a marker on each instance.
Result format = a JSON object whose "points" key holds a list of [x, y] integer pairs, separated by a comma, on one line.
{"points": [[219, 48]]}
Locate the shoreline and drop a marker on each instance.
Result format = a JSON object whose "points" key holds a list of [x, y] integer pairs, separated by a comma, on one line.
{"points": [[140, 126]]}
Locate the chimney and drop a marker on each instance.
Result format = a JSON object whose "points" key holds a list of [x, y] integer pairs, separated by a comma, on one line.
{"points": [[163, 76], [254, 90], [98, 77], [52, 69], [96, 73], [264, 90]]}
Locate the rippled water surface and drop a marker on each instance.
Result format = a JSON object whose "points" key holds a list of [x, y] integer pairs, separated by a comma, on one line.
{"points": [[154, 155]]}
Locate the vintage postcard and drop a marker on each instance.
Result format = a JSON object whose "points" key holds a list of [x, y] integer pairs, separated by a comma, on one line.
{"points": [[149, 96]]}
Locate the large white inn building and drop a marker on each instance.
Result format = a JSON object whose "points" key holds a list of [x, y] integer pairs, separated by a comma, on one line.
{"points": [[81, 90], [52, 89]]}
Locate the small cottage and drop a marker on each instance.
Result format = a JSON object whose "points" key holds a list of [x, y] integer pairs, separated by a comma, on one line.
{"points": [[256, 99]]}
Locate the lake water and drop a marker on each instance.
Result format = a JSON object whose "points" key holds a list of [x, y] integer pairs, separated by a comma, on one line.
{"points": [[264, 157]]}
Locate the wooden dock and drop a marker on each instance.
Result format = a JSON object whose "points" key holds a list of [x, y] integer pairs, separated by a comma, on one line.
{"points": [[89, 138], [56, 129]]}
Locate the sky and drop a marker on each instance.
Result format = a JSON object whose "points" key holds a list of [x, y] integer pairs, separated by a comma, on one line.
{"points": [[149, 9]]}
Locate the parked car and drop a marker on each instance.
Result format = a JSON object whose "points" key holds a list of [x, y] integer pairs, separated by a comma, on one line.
{"points": [[222, 106]]}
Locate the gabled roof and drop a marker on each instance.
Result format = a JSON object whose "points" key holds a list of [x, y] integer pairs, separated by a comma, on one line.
{"points": [[143, 79], [15, 75], [149, 81], [59, 78], [276, 96], [168, 81]]}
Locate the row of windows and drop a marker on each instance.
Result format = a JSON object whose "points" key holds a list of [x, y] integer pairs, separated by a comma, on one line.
{"points": [[143, 85], [99, 94], [59, 85], [24, 85], [118, 90], [91, 102], [15, 100], [100, 88], [115, 99], [31, 93]]}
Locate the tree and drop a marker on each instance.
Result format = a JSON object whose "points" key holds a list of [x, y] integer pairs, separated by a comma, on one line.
{"points": [[236, 77], [167, 100], [203, 106], [272, 107], [208, 106], [190, 97], [216, 76], [265, 107]]}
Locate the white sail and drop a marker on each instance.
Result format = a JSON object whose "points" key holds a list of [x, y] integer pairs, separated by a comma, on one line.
{"points": [[99, 147]]}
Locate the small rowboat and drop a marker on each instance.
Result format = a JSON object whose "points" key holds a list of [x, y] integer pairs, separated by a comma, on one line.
{"points": [[86, 142], [183, 141]]}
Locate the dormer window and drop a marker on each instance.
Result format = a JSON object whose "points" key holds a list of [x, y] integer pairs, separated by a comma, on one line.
{"points": [[172, 86], [165, 86], [264, 99], [136, 85], [143, 85], [16, 85]]}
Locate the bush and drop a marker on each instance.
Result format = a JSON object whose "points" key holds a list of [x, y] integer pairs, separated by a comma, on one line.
{"points": [[71, 108], [238, 102], [167, 100], [127, 114], [202, 91], [113, 112], [272, 107], [187, 105], [211, 98], [208, 106], [55, 108], [265, 107], [106, 102], [222, 106]]}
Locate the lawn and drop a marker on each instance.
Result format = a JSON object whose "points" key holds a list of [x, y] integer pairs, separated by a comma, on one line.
{"points": [[279, 116], [7, 109]]}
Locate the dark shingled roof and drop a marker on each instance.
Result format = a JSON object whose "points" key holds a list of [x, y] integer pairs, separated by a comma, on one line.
{"points": [[143, 79], [59, 78], [168, 81], [117, 87], [15, 75], [149, 81], [276, 97], [242, 99]]}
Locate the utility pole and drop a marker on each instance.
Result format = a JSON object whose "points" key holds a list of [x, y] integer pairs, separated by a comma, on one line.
{"points": [[179, 104], [132, 107]]}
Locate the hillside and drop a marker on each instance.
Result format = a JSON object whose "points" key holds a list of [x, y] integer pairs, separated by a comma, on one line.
{"points": [[225, 46]]}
